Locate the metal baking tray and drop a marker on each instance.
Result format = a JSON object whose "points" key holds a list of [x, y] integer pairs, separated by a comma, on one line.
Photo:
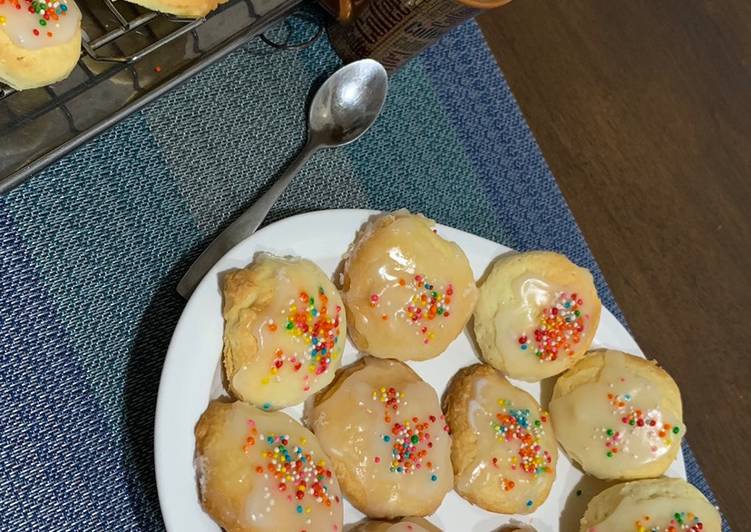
{"points": [[130, 56]]}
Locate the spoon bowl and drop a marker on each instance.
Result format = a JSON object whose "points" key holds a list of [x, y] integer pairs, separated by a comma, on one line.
{"points": [[347, 104], [343, 108]]}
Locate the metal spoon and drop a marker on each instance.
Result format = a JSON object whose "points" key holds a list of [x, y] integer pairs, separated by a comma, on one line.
{"points": [[343, 108]]}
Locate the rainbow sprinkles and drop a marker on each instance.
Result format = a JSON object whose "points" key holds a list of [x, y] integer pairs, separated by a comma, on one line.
{"points": [[307, 318], [429, 302], [300, 477], [517, 425], [634, 419], [409, 440], [559, 329], [678, 522], [46, 13]]}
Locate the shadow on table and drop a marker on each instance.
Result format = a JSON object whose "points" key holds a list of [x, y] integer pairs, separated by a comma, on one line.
{"points": [[140, 393]]}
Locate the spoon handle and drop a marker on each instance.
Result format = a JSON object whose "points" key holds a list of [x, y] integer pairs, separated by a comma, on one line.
{"points": [[245, 225]]}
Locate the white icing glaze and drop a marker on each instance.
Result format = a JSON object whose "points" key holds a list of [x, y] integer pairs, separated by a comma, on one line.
{"points": [[532, 297], [657, 514], [359, 427], [60, 21], [617, 423], [247, 476], [409, 291], [516, 450], [293, 361]]}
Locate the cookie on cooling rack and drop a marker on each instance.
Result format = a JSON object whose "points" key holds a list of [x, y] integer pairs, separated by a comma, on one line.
{"points": [[181, 8], [284, 331], [382, 426], [536, 315], [669, 504], [263, 471], [618, 415], [408, 291], [40, 41], [503, 448]]}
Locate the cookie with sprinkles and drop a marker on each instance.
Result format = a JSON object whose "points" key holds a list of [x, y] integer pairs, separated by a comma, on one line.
{"points": [[503, 451], [389, 442], [285, 331], [263, 471], [40, 41], [408, 291], [659, 505], [536, 314], [618, 415], [181, 8]]}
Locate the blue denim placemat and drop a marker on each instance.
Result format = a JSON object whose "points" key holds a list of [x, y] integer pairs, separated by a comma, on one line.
{"points": [[93, 247]]}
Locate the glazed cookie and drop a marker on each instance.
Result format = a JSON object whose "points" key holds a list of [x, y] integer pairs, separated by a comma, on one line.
{"points": [[659, 505], [408, 524], [382, 426], [408, 291], [536, 314], [40, 41], [502, 444], [262, 471], [619, 416], [181, 8], [284, 331]]}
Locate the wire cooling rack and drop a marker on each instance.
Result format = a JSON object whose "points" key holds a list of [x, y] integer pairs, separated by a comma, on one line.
{"points": [[130, 56]]}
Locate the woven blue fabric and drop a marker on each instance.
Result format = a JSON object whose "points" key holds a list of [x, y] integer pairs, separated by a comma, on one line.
{"points": [[92, 248]]}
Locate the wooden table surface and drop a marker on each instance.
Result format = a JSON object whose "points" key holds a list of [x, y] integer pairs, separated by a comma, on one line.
{"points": [[643, 112]]}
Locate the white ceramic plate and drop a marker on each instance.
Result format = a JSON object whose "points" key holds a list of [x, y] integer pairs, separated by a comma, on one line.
{"points": [[192, 376]]}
